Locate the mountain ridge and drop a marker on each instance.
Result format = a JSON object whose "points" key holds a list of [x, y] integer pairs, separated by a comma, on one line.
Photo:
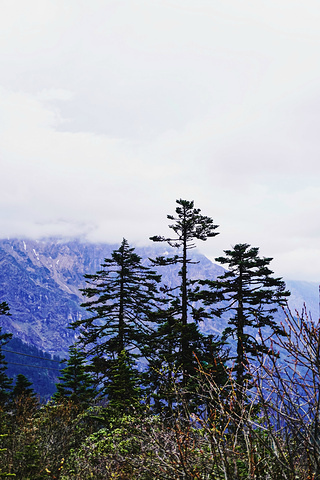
{"points": [[41, 282]]}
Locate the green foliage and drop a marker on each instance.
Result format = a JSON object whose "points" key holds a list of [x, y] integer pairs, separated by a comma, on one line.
{"points": [[123, 391], [38, 441], [58, 442], [3, 451], [76, 383], [141, 448], [23, 387], [106, 454], [19, 457]]}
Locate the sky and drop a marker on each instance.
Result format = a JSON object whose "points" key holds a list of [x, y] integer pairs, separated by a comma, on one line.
{"points": [[111, 110]]}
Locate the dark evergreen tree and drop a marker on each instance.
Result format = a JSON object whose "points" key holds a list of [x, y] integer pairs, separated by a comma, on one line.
{"points": [[164, 362], [120, 299], [252, 295], [23, 387], [23, 399], [76, 383], [5, 381], [123, 389], [189, 225], [212, 368]]}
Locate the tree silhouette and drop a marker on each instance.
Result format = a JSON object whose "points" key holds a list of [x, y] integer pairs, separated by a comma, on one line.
{"points": [[188, 226], [252, 295], [120, 298], [75, 382]]}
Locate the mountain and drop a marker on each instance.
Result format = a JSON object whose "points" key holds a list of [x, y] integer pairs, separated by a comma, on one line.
{"points": [[41, 281]]}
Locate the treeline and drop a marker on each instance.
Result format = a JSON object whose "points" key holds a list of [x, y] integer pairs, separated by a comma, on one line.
{"points": [[146, 395]]}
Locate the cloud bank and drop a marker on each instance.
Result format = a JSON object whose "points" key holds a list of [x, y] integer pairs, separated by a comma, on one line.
{"points": [[110, 111]]}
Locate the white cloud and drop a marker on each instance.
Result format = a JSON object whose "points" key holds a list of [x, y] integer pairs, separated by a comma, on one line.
{"points": [[112, 110]]}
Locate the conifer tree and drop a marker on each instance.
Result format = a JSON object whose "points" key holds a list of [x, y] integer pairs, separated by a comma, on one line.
{"points": [[164, 362], [188, 226], [23, 398], [76, 383], [23, 387], [120, 298], [123, 388], [5, 381], [251, 295]]}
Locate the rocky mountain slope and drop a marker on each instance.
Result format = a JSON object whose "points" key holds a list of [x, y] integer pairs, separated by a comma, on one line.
{"points": [[41, 281]]}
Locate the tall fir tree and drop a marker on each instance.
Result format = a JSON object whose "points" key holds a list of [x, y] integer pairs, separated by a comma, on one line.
{"points": [[120, 298], [252, 296], [5, 381], [76, 383], [188, 226]]}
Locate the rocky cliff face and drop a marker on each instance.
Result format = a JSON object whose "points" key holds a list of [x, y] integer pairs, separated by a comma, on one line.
{"points": [[41, 282]]}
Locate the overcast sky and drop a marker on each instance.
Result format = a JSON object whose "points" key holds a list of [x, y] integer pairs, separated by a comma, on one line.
{"points": [[110, 110]]}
